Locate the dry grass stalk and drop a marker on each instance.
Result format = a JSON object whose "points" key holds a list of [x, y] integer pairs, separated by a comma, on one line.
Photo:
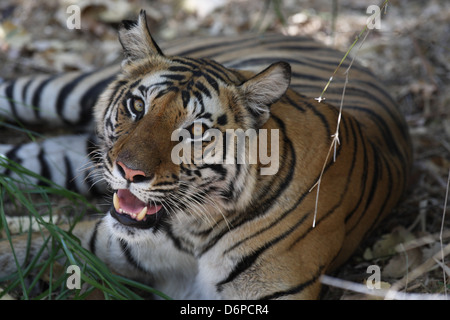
{"points": [[378, 293], [335, 136]]}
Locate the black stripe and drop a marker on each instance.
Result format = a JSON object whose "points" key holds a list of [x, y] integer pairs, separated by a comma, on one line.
{"points": [[194, 64], [89, 99], [199, 69], [363, 185], [12, 156], [292, 101], [216, 75], [35, 101], [387, 189], [65, 92], [179, 69], [351, 92], [212, 82], [221, 45], [183, 245], [300, 61], [166, 91], [115, 98], [176, 77], [9, 91], [218, 168], [116, 94], [45, 170], [373, 188], [70, 183], [321, 116], [93, 240], [251, 61], [25, 90], [126, 249], [247, 261], [134, 84], [185, 97], [230, 193], [385, 131], [313, 46], [240, 44], [203, 89], [218, 68], [296, 289], [365, 94]]}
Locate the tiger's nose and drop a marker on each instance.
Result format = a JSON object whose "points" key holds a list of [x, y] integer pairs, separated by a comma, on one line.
{"points": [[131, 175]]}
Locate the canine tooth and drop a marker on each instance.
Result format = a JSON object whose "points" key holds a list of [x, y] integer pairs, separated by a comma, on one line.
{"points": [[116, 202], [141, 214]]}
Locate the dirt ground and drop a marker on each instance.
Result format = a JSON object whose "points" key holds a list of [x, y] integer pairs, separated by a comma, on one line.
{"points": [[409, 51]]}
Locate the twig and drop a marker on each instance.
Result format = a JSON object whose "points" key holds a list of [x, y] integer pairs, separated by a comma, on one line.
{"points": [[360, 288], [425, 62], [442, 232], [335, 136], [422, 241]]}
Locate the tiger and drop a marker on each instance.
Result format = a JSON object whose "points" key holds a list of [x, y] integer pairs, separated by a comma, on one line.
{"points": [[200, 229]]}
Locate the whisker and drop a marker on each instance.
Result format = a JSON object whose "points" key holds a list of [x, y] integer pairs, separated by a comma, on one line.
{"points": [[197, 193]]}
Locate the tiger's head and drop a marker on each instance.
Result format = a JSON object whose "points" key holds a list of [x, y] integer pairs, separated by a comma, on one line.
{"points": [[157, 109]]}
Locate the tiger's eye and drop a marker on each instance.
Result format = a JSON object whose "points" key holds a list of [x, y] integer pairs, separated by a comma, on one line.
{"points": [[138, 105]]}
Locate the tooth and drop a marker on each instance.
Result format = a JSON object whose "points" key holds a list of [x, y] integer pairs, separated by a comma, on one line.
{"points": [[141, 214], [116, 202]]}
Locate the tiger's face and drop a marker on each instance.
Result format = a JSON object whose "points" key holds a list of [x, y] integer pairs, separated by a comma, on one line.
{"points": [[163, 120]]}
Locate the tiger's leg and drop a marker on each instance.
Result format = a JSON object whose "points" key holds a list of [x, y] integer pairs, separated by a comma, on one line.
{"points": [[63, 160], [156, 261]]}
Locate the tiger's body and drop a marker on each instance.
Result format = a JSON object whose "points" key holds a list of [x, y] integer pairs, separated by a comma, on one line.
{"points": [[226, 231]]}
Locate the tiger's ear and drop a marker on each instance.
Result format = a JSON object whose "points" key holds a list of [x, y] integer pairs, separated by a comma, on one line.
{"points": [[266, 88], [136, 39]]}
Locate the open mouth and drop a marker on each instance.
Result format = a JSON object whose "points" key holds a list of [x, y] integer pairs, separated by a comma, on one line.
{"points": [[132, 212]]}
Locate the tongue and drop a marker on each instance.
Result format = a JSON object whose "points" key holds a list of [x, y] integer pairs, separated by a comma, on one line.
{"points": [[128, 202], [131, 204]]}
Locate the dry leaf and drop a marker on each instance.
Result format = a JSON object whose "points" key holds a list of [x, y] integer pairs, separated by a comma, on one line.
{"points": [[13, 36], [386, 246], [400, 264]]}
